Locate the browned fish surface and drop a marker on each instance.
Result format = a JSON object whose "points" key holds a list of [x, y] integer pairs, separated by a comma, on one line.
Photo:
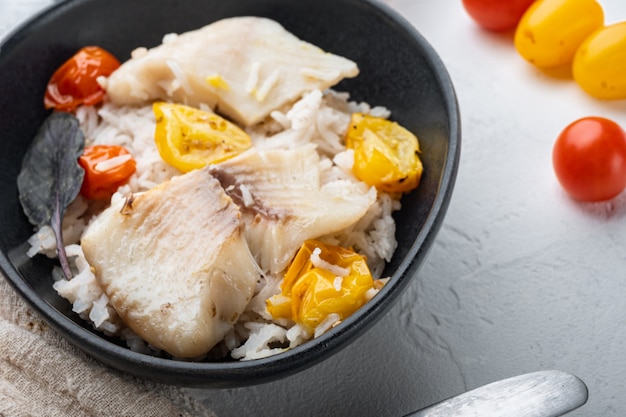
{"points": [[174, 263]]}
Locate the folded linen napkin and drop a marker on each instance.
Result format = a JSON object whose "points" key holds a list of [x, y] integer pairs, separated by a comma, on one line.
{"points": [[43, 375]]}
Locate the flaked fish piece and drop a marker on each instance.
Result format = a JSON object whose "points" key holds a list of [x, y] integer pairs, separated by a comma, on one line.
{"points": [[242, 67], [284, 202], [174, 263]]}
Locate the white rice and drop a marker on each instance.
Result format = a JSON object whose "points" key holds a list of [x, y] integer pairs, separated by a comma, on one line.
{"points": [[318, 262], [319, 118]]}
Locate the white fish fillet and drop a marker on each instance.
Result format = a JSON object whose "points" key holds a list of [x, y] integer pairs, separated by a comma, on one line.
{"points": [[284, 203], [175, 263], [244, 67]]}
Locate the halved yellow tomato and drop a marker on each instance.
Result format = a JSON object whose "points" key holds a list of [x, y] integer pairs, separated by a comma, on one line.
{"points": [[188, 138], [322, 280], [386, 155], [551, 31], [600, 63]]}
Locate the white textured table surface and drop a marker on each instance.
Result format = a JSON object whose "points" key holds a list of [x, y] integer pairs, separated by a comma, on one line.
{"points": [[520, 279]]}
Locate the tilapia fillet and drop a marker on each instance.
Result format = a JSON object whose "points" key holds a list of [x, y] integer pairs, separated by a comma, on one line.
{"points": [[246, 67], [174, 263], [284, 202]]}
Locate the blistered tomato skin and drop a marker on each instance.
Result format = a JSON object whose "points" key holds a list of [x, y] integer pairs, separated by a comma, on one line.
{"points": [[600, 64], [496, 15], [589, 159], [76, 81], [107, 167], [386, 155], [310, 293], [551, 31]]}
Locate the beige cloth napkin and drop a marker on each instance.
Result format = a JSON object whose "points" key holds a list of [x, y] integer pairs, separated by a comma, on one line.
{"points": [[43, 375]]}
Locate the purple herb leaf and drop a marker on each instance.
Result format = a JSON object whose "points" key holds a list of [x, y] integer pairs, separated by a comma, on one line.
{"points": [[50, 178]]}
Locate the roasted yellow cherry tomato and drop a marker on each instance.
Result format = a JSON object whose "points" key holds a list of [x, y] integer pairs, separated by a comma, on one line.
{"points": [[322, 280], [386, 155], [551, 31], [188, 138], [600, 63]]}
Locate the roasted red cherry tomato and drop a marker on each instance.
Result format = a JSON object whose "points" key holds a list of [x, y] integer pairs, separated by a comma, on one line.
{"points": [[75, 82], [496, 15], [589, 159], [107, 167]]}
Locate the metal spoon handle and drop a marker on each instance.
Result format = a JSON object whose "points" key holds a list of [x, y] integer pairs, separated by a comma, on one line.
{"points": [[537, 394]]}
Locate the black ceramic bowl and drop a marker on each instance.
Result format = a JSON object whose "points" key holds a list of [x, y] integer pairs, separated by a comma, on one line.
{"points": [[399, 70]]}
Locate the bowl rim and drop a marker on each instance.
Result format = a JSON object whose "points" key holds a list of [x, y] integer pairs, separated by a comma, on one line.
{"points": [[241, 373]]}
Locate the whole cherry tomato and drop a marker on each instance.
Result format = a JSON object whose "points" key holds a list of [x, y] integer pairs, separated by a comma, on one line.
{"points": [[551, 31], [75, 82], [599, 65], [496, 15], [589, 159], [107, 167]]}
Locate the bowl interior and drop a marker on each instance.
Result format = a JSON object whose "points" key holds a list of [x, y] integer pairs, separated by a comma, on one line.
{"points": [[399, 70]]}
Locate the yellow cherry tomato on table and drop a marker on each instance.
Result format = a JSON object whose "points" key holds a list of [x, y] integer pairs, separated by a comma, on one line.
{"points": [[386, 155], [600, 63], [551, 31], [322, 280], [188, 138]]}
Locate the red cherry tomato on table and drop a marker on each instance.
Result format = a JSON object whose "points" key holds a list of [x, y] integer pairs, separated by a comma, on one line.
{"points": [[107, 167], [589, 159], [75, 82], [496, 15]]}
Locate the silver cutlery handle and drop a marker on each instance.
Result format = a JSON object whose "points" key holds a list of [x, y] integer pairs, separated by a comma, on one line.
{"points": [[537, 394]]}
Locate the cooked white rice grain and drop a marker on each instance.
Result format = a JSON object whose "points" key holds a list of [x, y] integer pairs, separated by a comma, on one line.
{"points": [[326, 324], [257, 345]]}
